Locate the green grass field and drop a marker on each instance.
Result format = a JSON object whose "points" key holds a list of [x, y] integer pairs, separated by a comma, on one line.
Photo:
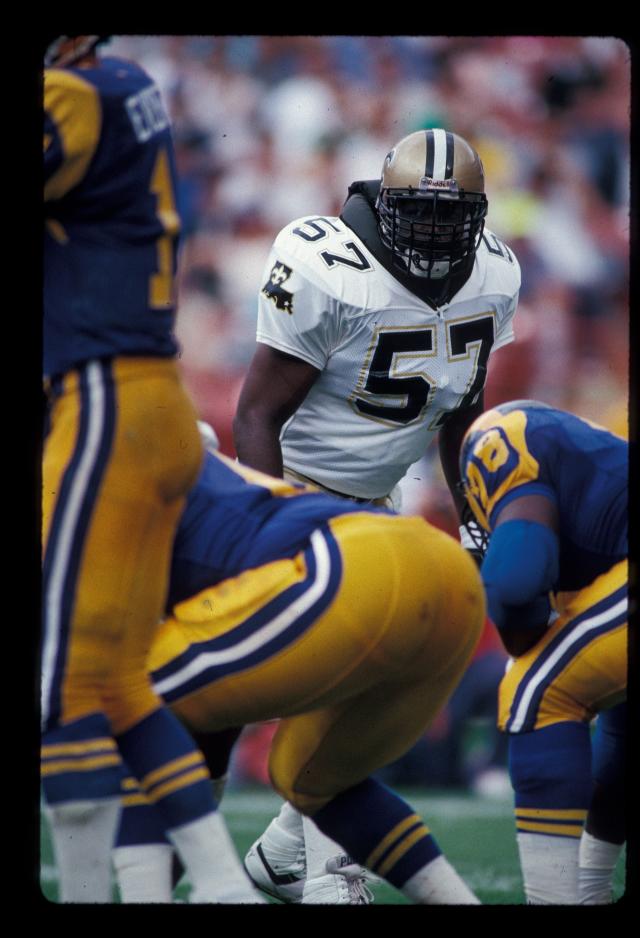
{"points": [[477, 835]]}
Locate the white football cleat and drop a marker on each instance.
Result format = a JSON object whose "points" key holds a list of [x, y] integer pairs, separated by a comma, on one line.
{"points": [[278, 869], [279, 863], [345, 883]]}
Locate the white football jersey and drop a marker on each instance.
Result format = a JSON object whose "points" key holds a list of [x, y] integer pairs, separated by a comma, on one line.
{"points": [[391, 366]]}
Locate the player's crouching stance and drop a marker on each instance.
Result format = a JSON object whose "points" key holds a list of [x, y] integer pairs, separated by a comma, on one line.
{"points": [[552, 490], [354, 637]]}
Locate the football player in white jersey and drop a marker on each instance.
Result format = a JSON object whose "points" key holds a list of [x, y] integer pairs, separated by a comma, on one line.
{"points": [[375, 327], [374, 333]]}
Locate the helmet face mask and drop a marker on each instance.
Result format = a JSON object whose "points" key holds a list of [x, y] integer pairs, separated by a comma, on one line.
{"points": [[428, 217], [430, 233]]}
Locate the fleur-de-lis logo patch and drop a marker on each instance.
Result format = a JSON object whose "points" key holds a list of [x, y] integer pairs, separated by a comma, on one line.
{"points": [[274, 290]]}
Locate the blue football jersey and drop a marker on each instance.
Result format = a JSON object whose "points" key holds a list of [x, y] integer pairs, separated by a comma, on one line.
{"points": [[523, 448], [111, 224], [237, 519]]}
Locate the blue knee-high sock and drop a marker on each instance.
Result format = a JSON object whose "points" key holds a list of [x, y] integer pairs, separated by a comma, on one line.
{"points": [[169, 767], [379, 830], [550, 772], [610, 748], [141, 822], [80, 761], [607, 819]]}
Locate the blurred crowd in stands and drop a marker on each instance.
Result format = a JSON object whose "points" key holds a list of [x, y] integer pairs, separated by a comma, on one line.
{"points": [[270, 128]]}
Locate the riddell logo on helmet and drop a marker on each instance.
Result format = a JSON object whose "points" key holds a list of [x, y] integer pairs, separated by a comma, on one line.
{"points": [[428, 183]]}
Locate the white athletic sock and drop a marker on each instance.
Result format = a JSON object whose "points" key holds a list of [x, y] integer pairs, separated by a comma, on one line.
{"points": [[143, 872], [437, 883], [549, 868], [211, 862], [290, 819], [83, 833], [598, 860], [283, 842]]}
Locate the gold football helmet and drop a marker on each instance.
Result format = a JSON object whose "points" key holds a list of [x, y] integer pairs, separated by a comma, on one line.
{"points": [[432, 205]]}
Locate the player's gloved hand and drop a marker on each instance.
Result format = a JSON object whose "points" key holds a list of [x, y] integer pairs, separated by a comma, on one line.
{"points": [[473, 537], [522, 627]]}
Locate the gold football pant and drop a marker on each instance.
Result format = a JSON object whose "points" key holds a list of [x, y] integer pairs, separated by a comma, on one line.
{"points": [[122, 452], [579, 667], [355, 643]]}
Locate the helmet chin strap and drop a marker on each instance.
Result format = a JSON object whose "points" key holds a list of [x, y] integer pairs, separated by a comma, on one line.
{"points": [[437, 271]]}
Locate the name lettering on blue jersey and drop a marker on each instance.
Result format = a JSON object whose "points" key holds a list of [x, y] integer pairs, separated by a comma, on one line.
{"points": [[146, 113]]}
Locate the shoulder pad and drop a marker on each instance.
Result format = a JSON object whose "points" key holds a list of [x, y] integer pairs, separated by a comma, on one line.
{"points": [[495, 458], [501, 268], [328, 254]]}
